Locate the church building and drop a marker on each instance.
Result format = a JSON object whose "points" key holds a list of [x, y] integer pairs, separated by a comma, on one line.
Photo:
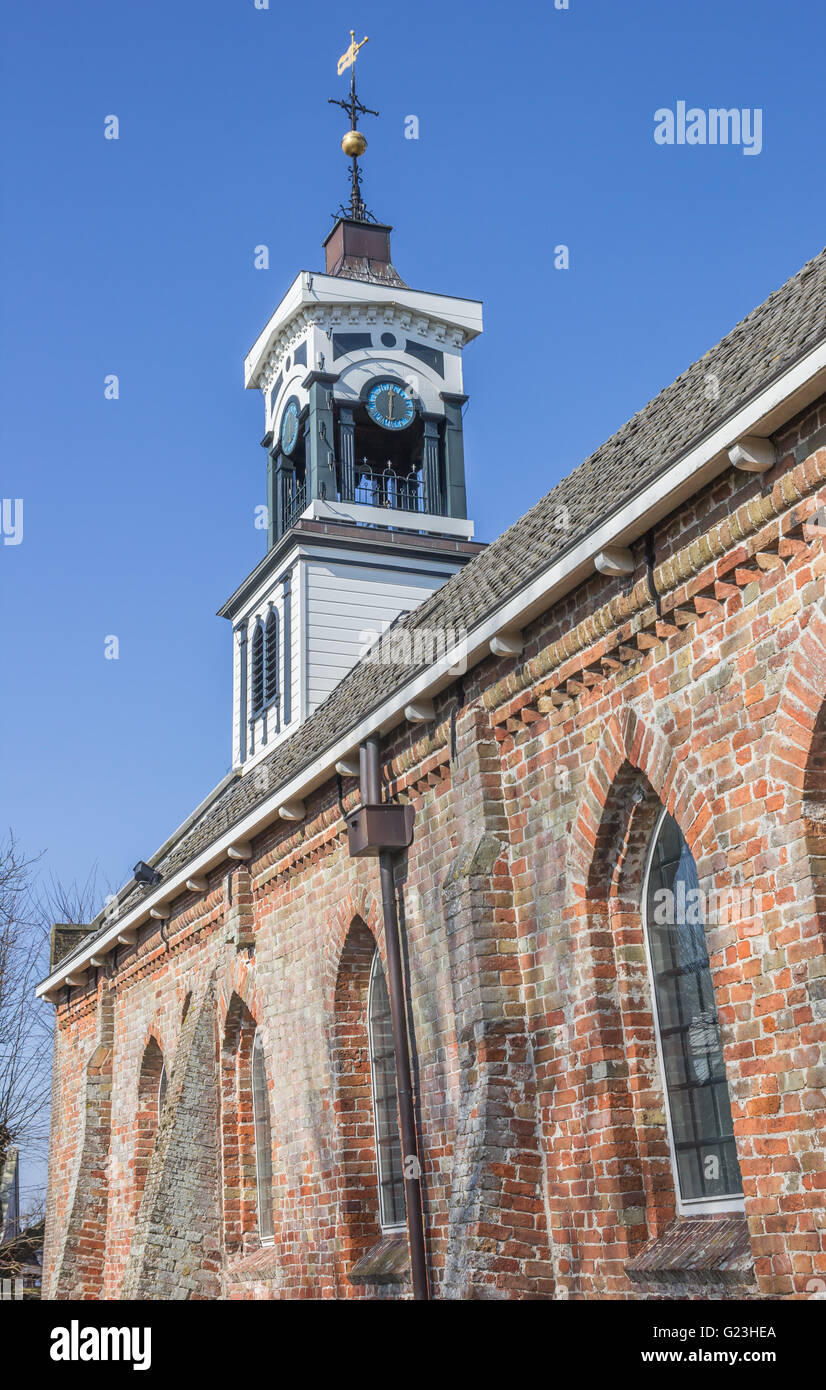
{"points": [[496, 966]]}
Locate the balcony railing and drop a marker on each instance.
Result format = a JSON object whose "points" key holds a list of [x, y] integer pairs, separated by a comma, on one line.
{"points": [[367, 485], [384, 487], [294, 504]]}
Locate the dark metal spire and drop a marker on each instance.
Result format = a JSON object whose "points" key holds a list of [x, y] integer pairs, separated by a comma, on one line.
{"points": [[354, 143]]}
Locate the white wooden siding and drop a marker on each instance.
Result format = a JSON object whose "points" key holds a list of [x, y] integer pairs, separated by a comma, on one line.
{"points": [[343, 603], [335, 602]]}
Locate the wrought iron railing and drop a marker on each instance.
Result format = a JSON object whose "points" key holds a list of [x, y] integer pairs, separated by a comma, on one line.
{"points": [[364, 483], [294, 504], [384, 487]]}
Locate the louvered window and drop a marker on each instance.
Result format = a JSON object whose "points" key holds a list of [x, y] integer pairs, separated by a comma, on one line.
{"points": [[257, 659], [271, 657]]}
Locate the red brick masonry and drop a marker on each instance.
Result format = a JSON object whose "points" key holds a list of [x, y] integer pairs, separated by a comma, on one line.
{"points": [[542, 1115]]}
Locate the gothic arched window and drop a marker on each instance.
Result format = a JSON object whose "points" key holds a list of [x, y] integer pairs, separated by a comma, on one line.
{"points": [[385, 1110], [263, 1140], [271, 656], [257, 660], [691, 1054], [151, 1090]]}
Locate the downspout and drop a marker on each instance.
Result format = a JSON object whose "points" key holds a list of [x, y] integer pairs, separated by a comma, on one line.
{"points": [[371, 796]]}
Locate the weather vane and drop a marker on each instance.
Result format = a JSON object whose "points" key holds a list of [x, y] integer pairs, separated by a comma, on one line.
{"points": [[354, 143]]}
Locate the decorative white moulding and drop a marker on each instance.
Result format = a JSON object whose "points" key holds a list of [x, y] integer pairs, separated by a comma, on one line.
{"points": [[348, 767], [53, 995], [128, 936], [753, 454], [507, 643], [240, 851], [292, 810], [161, 912], [97, 961], [614, 559], [419, 712], [77, 977], [196, 885]]}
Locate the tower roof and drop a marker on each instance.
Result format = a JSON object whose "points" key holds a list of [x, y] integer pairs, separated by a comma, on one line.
{"points": [[361, 251]]}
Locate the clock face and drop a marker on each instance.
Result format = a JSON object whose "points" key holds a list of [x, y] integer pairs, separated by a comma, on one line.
{"points": [[390, 406], [289, 427]]}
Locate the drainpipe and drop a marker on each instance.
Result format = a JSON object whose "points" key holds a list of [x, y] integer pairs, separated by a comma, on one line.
{"points": [[370, 786]]}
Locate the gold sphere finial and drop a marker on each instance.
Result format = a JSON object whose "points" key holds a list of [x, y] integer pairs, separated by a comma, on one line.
{"points": [[354, 143]]}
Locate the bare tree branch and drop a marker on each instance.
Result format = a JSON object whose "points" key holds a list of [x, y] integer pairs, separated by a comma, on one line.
{"points": [[28, 909]]}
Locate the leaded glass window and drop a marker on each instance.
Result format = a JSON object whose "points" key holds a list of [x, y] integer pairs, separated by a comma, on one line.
{"points": [[701, 1131], [385, 1109], [263, 1140]]}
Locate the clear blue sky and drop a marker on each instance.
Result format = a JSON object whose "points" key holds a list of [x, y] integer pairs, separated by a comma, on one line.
{"points": [[135, 257]]}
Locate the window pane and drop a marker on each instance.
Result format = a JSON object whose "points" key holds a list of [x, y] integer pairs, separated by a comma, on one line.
{"points": [[161, 1090], [383, 1068], [263, 1141], [692, 1056]]}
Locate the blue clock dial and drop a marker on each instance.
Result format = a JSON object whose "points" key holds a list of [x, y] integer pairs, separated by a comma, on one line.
{"points": [[390, 406], [289, 427]]}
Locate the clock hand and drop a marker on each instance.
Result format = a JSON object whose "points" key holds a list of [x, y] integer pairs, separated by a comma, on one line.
{"points": [[392, 396]]}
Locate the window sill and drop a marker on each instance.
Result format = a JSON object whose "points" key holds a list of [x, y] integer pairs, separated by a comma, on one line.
{"points": [[697, 1252], [261, 1263], [385, 1263], [256, 714]]}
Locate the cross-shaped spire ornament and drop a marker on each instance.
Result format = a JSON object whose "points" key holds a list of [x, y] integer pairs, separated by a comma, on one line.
{"points": [[353, 143]]}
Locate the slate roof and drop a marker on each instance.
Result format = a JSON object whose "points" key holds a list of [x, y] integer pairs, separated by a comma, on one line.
{"points": [[763, 346]]}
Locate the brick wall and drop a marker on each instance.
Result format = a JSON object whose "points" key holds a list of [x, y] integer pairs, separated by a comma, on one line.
{"points": [[540, 1103]]}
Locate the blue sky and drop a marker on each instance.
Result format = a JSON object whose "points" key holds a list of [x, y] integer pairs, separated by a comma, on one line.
{"points": [[135, 257]]}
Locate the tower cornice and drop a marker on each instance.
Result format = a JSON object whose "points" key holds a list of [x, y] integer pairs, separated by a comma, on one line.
{"points": [[310, 535], [329, 302]]}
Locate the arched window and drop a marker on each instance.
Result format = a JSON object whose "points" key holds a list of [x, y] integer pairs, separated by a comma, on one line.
{"points": [[257, 662], [271, 656], [151, 1092], [263, 1140], [385, 1111], [691, 1055]]}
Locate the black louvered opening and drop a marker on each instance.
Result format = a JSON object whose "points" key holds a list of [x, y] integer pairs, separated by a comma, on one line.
{"points": [[271, 657], [257, 669]]}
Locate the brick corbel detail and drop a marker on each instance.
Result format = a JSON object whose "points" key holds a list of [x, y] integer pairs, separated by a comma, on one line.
{"points": [[734, 547], [239, 912]]}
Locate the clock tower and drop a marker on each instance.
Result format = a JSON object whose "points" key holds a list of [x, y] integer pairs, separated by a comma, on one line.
{"points": [[362, 383]]}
